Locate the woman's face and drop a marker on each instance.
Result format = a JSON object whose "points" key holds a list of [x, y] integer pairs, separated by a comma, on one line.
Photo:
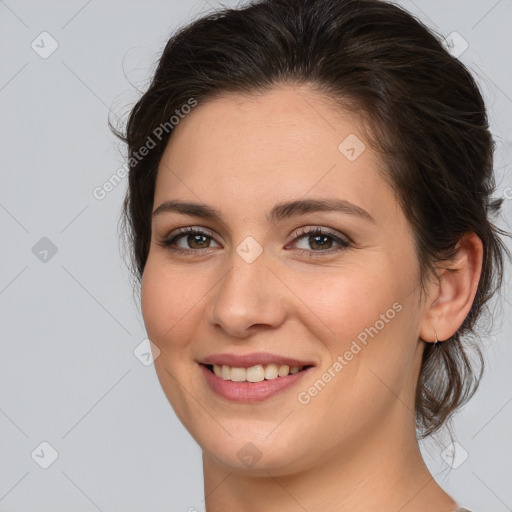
{"points": [[345, 300]]}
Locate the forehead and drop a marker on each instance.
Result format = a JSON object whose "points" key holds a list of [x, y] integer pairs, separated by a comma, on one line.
{"points": [[255, 150]]}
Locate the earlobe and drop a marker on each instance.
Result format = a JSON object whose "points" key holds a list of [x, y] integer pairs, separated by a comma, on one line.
{"points": [[453, 295]]}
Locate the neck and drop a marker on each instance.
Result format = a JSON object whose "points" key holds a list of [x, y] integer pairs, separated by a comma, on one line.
{"points": [[382, 470]]}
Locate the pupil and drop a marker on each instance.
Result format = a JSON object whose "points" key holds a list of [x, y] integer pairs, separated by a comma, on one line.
{"points": [[319, 237], [195, 238]]}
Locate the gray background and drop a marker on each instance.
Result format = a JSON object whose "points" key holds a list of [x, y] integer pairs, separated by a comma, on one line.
{"points": [[69, 325]]}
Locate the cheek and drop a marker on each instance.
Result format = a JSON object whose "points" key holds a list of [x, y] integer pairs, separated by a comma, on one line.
{"points": [[168, 301], [366, 316], [347, 300]]}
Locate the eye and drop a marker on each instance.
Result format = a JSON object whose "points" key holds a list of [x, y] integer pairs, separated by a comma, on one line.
{"points": [[321, 241], [194, 238]]}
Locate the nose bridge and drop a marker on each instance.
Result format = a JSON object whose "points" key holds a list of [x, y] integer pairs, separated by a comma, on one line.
{"points": [[249, 293]]}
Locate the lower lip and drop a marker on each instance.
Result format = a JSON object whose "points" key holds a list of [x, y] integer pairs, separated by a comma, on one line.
{"points": [[249, 392]]}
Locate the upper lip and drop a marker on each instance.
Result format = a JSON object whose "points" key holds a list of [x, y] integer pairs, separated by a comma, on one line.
{"points": [[248, 360]]}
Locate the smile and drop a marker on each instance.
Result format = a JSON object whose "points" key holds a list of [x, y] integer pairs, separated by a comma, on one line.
{"points": [[248, 385], [256, 373]]}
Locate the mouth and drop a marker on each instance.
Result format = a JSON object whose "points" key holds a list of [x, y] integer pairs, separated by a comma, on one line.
{"points": [[256, 373], [256, 383]]}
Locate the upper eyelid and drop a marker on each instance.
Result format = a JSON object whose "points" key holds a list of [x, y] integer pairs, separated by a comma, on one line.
{"points": [[298, 233], [303, 231], [180, 232]]}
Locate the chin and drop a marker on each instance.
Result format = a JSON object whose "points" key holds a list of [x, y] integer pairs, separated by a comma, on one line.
{"points": [[258, 454]]}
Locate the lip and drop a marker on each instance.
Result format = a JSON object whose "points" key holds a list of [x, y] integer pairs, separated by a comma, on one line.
{"points": [[253, 359], [250, 392]]}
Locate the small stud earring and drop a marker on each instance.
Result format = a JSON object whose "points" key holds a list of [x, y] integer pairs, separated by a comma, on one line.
{"points": [[435, 342]]}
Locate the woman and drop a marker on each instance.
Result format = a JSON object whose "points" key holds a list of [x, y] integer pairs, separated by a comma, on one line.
{"points": [[309, 216]]}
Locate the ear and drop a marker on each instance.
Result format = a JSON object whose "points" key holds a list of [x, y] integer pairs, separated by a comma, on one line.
{"points": [[451, 298]]}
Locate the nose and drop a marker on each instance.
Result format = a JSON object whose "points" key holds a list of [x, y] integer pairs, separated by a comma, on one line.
{"points": [[249, 297]]}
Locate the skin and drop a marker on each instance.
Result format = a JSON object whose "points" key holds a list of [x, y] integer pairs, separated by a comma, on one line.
{"points": [[353, 446]]}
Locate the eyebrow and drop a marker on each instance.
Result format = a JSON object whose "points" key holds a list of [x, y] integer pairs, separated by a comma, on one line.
{"points": [[279, 211]]}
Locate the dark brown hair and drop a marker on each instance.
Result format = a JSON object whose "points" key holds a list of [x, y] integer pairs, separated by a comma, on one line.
{"points": [[424, 112]]}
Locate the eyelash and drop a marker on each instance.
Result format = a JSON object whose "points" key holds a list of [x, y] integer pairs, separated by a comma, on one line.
{"points": [[344, 243]]}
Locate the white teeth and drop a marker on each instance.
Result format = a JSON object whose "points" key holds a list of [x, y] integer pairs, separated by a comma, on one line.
{"points": [[238, 374], [284, 370], [225, 372], [271, 371], [256, 373]]}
